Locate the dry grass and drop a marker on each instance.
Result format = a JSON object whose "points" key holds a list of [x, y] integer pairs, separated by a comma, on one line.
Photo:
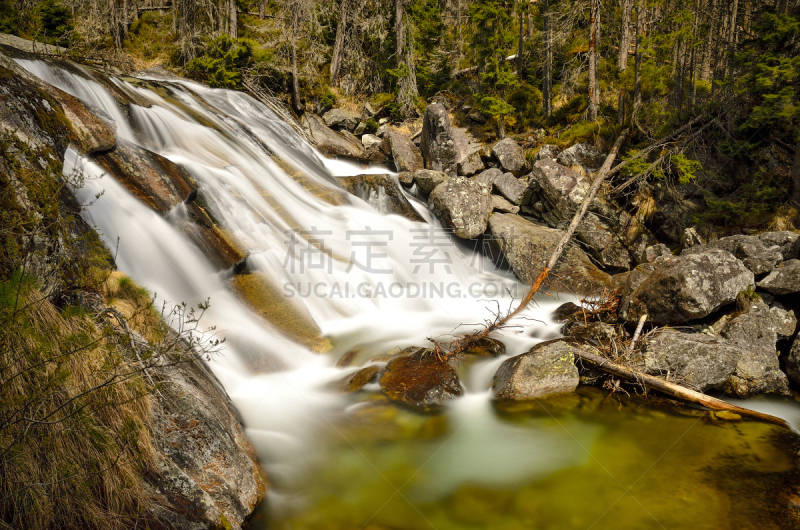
{"points": [[78, 459]]}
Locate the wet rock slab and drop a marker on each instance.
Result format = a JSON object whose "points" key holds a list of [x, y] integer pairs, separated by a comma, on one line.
{"points": [[419, 379], [547, 368]]}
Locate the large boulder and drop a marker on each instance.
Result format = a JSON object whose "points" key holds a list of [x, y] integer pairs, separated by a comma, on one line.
{"points": [[604, 243], [209, 475], [470, 164], [527, 247], [330, 142], [420, 379], [749, 249], [785, 242], [561, 189], [755, 332], [403, 152], [547, 151], [687, 287], [340, 118], [510, 155], [783, 280], [793, 362], [510, 187], [463, 205], [488, 177], [499, 204], [582, 154], [696, 360], [547, 368], [436, 141], [427, 180], [382, 192]]}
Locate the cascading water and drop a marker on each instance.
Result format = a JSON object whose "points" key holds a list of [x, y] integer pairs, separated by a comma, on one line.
{"points": [[372, 282]]}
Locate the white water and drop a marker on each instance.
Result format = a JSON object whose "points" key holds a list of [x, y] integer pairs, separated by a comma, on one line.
{"points": [[286, 409]]}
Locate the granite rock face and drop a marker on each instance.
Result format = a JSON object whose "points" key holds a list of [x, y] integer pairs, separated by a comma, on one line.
{"points": [[547, 368], [687, 287], [527, 247], [463, 205]]}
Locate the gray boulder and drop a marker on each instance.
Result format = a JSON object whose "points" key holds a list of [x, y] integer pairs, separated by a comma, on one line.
{"points": [[562, 189], [749, 249], [470, 164], [787, 243], [527, 247], [404, 153], [785, 322], [345, 119], [406, 179], [510, 155], [463, 205], [783, 280], [427, 180], [500, 204], [478, 117], [330, 142], [757, 369], [436, 141], [488, 177], [696, 360], [547, 368], [582, 154], [655, 251], [687, 287], [360, 128], [599, 237], [548, 151], [370, 140], [382, 192], [510, 187], [793, 362]]}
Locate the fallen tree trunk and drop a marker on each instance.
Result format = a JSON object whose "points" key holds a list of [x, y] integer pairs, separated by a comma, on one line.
{"points": [[471, 69], [671, 389]]}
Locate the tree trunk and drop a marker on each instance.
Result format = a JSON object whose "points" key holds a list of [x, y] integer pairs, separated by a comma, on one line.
{"points": [[547, 77], [641, 17], [124, 28], [398, 31], [519, 46], [234, 19], [705, 73], [295, 83], [501, 127], [625, 38], [796, 176], [262, 9], [338, 47], [594, 28]]}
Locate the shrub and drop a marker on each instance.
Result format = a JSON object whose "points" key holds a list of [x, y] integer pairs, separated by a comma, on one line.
{"points": [[219, 67]]}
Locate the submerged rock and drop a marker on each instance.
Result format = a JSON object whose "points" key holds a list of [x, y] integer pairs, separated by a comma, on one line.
{"points": [[436, 142], [687, 287], [783, 280], [463, 205], [357, 380], [382, 192], [527, 247], [547, 368], [510, 155], [420, 379]]}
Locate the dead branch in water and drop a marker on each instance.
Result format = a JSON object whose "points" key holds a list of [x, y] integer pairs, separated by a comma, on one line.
{"points": [[465, 343], [671, 389]]}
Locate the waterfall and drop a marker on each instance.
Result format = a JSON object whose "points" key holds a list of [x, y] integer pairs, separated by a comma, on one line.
{"points": [[371, 281]]}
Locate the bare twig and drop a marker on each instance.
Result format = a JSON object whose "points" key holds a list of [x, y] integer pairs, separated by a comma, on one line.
{"points": [[639, 327]]}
